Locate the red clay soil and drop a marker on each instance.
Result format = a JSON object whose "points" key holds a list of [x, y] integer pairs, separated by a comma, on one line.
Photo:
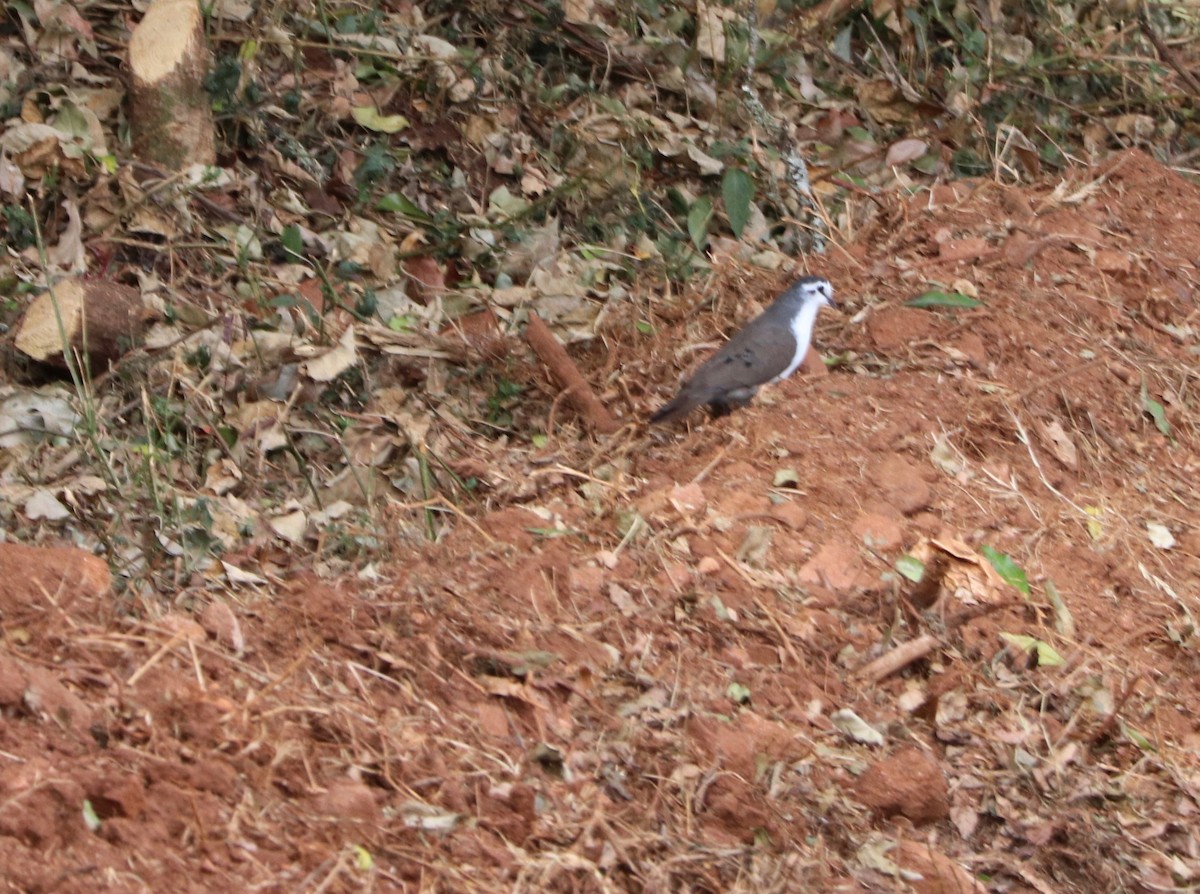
{"points": [[647, 673]]}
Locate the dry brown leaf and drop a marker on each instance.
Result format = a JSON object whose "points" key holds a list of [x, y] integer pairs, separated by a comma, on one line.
{"points": [[68, 253], [710, 30], [1061, 444], [332, 363], [904, 151]]}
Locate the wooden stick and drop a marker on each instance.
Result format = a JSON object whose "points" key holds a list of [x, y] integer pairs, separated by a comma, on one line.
{"points": [[899, 657], [567, 375]]}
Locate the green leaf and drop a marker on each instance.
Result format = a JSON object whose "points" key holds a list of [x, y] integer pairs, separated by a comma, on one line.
{"points": [[539, 440], [370, 118], [504, 205], [930, 163], [738, 693], [935, 298], [1008, 569], [362, 858], [911, 567], [549, 533], [398, 204], [90, 818], [698, 218], [292, 242], [643, 327], [1155, 411], [1140, 740], [737, 189], [71, 120], [1047, 655]]}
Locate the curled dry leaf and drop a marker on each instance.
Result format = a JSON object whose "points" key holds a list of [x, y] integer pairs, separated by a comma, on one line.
{"points": [[1061, 444], [854, 727], [331, 364], [426, 278], [238, 576], [28, 417], [222, 624], [43, 505], [68, 254], [904, 151], [290, 527], [1160, 535], [710, 30], [969, 577]]}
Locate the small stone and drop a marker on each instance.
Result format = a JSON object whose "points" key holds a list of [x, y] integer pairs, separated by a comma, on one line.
{"points": [[123, 795], [677, 573], [927, 523], [182, 627], [493, 720], [1019, 249], [929, 871]]}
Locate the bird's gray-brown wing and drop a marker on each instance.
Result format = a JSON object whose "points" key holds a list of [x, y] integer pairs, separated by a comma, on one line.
{"points": [[753, 356]]}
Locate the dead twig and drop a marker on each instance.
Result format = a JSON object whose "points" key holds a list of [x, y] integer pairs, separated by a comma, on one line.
{"points": [[1165, 52], [900, 657], [575, 387]]}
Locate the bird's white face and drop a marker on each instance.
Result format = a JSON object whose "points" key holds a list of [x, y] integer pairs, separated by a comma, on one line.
{"points": [[817, 288]]}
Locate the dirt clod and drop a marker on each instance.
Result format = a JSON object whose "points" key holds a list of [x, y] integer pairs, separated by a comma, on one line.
{"points": [[908, 783], [903, 485]]}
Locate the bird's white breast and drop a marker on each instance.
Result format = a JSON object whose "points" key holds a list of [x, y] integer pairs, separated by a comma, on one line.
{"points": [[802, 330]]}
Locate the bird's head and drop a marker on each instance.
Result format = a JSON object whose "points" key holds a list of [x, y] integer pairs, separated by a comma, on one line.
{"points": [[814, 288]]}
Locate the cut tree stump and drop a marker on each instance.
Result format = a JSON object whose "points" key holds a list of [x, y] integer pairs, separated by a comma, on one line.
{"points": [[100, 322], [170, 113]]}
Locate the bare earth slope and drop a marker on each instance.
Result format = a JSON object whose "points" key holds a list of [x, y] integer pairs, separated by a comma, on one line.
{"points": [[551, 700]]}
